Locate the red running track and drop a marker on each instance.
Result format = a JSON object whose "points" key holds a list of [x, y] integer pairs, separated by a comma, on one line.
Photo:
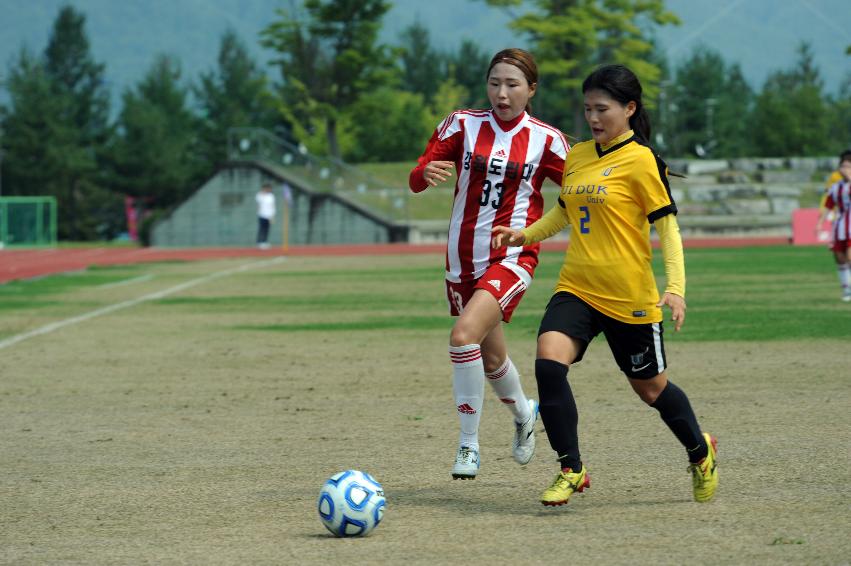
{"points": [[28, 264]]}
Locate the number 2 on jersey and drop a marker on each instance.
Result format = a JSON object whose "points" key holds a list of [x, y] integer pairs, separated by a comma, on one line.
{"points": [[583, 222]]}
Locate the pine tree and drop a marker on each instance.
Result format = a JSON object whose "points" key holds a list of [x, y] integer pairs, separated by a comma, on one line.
{"points": [[329, 55], [791, 114], [55, 128], [467, 66], [78, 82], [154, 154], [235, 94], [423, 66], [570, 38]]}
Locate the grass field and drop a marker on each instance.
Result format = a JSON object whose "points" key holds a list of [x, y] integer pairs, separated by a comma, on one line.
{"points": [[189, 413]]}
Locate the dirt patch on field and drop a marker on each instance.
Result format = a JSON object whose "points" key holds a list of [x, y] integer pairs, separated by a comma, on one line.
{"points": [[174, 433]]}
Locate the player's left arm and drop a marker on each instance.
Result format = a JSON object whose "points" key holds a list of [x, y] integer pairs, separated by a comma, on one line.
{"points": [[655, 192], [675, 271]]}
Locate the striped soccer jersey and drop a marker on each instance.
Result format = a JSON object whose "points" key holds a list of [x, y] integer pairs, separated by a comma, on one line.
{"points": [[610, 196], [839, 199], [500, 168]]}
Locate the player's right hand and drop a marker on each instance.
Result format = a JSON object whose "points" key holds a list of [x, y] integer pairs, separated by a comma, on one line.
{"points": [[437, 172], [502, 236]]}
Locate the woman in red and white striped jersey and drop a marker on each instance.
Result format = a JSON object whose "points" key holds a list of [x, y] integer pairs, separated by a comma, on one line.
{"points": [[838, 200], [501, 156]]}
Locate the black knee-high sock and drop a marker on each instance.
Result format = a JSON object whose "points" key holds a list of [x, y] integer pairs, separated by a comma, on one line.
{"points": [[677, 413], [558, 411]]}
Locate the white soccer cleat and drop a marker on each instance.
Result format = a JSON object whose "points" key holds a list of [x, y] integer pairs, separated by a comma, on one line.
{"points": [[466, 464], [846, 296], [523, 446]]}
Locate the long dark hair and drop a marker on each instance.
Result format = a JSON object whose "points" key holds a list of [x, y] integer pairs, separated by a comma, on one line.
{"points": [[622, 85], [521, 59]]}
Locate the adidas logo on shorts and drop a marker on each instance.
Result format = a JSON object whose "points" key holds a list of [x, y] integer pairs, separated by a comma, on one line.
{"points": [[495, 283]]}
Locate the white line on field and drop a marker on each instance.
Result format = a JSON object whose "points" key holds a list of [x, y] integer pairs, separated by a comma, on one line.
{"points": [[139, 279], [133, 302]]}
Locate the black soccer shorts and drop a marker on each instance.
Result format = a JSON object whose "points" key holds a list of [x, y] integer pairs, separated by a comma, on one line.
{"points": [[638, 348]]}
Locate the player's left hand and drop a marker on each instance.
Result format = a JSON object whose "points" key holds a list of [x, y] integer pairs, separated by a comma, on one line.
{"points": [[677, 305]]}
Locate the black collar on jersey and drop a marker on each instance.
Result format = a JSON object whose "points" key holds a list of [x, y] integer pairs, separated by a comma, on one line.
{"points": [[601, 152]]}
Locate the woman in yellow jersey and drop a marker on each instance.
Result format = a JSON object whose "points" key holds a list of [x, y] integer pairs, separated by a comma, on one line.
{"points": [[613, 188]]}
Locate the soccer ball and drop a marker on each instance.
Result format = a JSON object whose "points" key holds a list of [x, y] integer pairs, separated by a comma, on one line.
{"points": [[351, 504]]}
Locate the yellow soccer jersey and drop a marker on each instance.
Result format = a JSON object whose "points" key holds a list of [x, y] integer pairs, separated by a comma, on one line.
{"points": [[610, 196]]}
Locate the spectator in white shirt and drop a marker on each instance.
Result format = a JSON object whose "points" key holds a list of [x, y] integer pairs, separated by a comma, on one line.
{"points": [[265, 215]]}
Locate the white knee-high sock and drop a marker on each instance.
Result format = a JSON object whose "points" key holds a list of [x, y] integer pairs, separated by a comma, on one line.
{"points": [[506, 384], [844, 275], [468, 386]]}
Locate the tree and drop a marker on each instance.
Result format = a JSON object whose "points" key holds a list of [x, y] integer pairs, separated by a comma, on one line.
{"points": [[840, 122], [467, 66], [56, 127], [733, 115], [154, 153], [234, 95], [329, 55], [77, 76], [423, 66], [791, 114], [31, 126], [403, 113], [693, 98], [570, 38], [406, 114], [78, 81]]}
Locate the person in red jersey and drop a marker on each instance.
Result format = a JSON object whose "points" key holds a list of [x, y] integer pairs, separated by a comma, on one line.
{"points": [[501, 156], [838, 200]]}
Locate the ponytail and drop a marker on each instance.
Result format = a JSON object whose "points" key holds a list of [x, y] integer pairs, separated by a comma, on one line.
{"points": [[640, 124]]}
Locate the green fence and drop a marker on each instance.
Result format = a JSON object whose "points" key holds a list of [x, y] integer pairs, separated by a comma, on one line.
{"points": [[27, 221]]}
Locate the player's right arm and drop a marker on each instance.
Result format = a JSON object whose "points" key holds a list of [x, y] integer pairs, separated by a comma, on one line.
{"points": [[548, 225], [826, 206], [435, 165]]}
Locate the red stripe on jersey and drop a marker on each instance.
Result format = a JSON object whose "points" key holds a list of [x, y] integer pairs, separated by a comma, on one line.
{"points": [[517, 154], [446, 124], [458, 164], [458, 114], [554, 131], [844, 209], [483, 147], [536, 204]]}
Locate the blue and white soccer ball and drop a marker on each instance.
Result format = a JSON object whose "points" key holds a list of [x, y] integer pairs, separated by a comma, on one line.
{"points": [[351, 504]]}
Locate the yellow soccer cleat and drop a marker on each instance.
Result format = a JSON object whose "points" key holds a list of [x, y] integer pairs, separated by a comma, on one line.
{"points": [[564, 485], [704, 474]]}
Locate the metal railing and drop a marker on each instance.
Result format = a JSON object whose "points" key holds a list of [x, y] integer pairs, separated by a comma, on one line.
{"points": [[323, 174]]}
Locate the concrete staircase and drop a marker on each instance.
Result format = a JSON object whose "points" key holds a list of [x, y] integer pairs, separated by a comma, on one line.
{"points": [[752, 197], [745, 197]]}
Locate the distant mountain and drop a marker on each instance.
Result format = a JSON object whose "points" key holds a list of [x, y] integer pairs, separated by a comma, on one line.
{"points": [[760, 34]]}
